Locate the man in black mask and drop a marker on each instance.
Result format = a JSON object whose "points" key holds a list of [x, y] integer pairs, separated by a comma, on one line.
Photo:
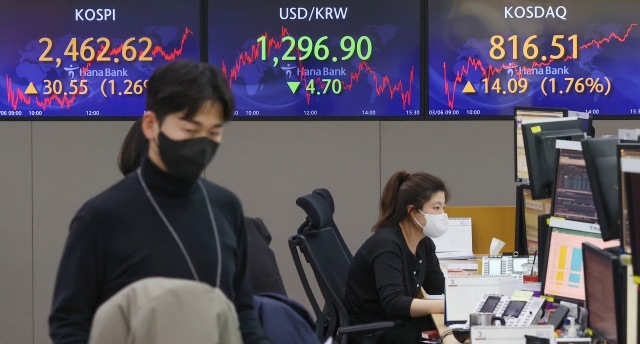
{"points": [[162, 220]]}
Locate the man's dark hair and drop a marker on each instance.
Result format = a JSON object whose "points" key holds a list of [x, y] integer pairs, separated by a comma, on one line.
{"points": [[186, 85]]}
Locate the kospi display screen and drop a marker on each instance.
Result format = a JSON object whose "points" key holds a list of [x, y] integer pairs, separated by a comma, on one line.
{"points": [[487, 56], [352, 58], [73, 59]]}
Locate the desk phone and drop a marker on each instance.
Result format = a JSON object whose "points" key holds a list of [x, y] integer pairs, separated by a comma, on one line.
{"points": [[515, 313], [504, 265]]}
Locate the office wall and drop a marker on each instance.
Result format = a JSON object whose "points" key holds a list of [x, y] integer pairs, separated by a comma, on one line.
{"points": [[16, 283], [49, 169]]}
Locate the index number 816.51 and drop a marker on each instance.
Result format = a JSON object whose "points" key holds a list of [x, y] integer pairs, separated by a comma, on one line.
{"points": [[530, 50]]}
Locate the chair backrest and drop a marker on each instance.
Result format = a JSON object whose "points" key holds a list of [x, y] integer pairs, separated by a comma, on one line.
{"points": [[320, 208], [330, 265], [326, 195], [319, 214], [322, 315]]}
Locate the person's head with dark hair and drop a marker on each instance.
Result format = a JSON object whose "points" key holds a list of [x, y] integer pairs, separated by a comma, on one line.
{"points": [[187, 104], [133, 148], [414, 201]]}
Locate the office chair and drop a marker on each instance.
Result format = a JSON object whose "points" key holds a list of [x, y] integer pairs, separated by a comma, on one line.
{"points": [[308, 204], [319, 215], [319, 207], [330, 265]]}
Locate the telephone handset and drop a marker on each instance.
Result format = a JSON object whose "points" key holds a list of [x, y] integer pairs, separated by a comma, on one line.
{"points": [[515, 313]]}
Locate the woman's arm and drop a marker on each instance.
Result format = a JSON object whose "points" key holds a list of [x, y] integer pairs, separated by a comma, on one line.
{"points": [[388, 273], [434, 278], [420, 308]]}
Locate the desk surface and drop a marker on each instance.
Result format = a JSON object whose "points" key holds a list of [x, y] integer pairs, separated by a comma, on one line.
{"points": [[439, 320]]}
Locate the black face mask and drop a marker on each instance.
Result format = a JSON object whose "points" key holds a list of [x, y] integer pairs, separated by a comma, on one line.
{"points": [[186, 159]]}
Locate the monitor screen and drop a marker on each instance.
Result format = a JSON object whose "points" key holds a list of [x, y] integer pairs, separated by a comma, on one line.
{"points": [[573, 198], [485, 57], [630, 167], [352, 58], [600, 291], [533, 209], [629, 155], [633, 199], [527, 114], [82, 59], [564, 276]]}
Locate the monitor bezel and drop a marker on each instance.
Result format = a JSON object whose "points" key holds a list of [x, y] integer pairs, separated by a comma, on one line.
{"points": [[623, 190], [557, 298], [598, 200], [202, 25], [529, 143], [543, 255], [521, 226], [422, 94], [612, 259], [565, 113]]}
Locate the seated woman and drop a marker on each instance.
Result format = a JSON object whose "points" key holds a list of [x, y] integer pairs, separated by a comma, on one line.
{"points": [[391, 267]]}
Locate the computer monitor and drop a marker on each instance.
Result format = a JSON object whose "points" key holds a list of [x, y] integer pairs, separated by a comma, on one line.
{"points": [[630, 168], [586, 120], [564, 279], [604, 294], [540, 150], [521, 114], [573, 199], [601, 159], [531, 210]]}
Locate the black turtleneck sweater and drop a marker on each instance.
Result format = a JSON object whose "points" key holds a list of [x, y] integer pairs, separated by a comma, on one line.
{"points": [[118, 238]]}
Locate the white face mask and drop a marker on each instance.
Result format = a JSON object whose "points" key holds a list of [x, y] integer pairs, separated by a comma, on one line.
{"points": [[436, 225]]}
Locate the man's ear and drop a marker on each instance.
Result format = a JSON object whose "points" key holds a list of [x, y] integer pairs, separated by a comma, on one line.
{"points": [[150, 125]]}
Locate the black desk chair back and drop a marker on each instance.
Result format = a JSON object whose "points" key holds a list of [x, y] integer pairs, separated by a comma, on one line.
{"points": [[330, 260], [319, 216], [330, 266]]}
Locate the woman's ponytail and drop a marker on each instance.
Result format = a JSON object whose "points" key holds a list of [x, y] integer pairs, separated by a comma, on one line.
{"points": [[389, 200], [404, 189]]}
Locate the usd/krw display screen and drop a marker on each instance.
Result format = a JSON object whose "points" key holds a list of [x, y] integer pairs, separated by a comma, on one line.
{"points": [[487, 56], [319, 59], [91, 59]]}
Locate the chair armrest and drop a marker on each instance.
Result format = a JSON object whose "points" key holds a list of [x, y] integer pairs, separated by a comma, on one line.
{"points": [[368, 327]]}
